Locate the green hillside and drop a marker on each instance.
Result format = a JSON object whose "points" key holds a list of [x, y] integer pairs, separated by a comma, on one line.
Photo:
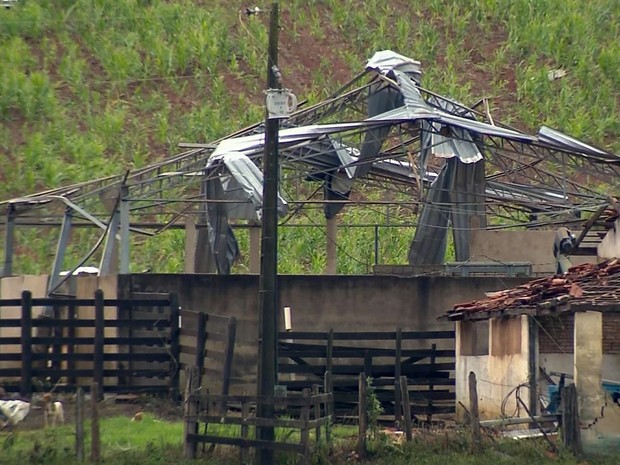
{"points": [[90, 88]]}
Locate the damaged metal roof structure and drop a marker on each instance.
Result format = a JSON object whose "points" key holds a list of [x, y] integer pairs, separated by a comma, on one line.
{"points": [[583, 287], [382, 129]]}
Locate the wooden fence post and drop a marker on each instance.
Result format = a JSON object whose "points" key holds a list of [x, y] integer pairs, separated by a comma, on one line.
{"points": [[317, 412], [368, 372], [201, 344], [245, 413], [429, 415], [99, 342], [79, 424], [305, 427], [26, 370], [71, 332], [329, 409], [397, 373], [363, 417], [175, 347], [329, 352], [404, 394], [571, 435], [95, 440], [475, 416], [190, 413], [228, 360]]}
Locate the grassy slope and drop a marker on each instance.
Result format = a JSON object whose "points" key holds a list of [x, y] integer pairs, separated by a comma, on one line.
{"points": [[93, 87]]}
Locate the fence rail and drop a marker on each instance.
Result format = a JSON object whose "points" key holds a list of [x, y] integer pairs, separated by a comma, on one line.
{"points": [[414, 355], [135, 344]]}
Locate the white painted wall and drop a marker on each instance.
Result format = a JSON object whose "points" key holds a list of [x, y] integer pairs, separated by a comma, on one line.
{"points": [[497, 376]]}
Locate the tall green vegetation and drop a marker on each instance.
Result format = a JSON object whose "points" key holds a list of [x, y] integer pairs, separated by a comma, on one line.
{"points": [[90, 88]]}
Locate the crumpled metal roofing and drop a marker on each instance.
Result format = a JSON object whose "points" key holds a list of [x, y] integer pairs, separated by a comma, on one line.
{"points": [[385, 61], [586, 286]]}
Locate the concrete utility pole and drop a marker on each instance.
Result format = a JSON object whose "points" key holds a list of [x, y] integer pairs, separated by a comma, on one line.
{"points": [[269, 254]]}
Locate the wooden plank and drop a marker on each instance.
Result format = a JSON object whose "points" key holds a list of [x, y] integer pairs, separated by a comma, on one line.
{"points": [[95, 439], [317, 413], [305, 427], [26, 370], [239, 442], [519, 421], [190, 411], [352, 383], [286, 349], [245, 416], [362, 409], [156, 341], [571, 433], [404, 393], [48, 302], [149, 323], [79, 424], [421, 397], [216, 336], [201, 341], [98, 346], [474, 413], [367, 335], [228, 361], [175, 347], [397, 375], [378, 370], [250, 421], [289, 401], [107, 357]]}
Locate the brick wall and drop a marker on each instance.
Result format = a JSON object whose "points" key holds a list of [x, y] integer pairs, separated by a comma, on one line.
{"points": [[555, 334]]}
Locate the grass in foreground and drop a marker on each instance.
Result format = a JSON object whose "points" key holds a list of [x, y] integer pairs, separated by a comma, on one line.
{"points": [[153, 441]]}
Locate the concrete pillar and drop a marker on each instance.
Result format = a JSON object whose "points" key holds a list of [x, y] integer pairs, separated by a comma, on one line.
{"points": [[190, 244], [255, 249], [588, 359], [332, 246]]}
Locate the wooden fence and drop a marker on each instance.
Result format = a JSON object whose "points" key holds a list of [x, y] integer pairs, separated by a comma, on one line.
{"points": [[124, 345], [297, 417], [383, 357]]}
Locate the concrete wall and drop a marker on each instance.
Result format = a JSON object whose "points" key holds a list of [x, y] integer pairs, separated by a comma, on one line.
{"points": [[498, 373], [319, 303], [535, 247]]}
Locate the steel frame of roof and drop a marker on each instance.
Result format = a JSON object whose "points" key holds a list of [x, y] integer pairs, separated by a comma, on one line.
{"points": [[522, 177]]}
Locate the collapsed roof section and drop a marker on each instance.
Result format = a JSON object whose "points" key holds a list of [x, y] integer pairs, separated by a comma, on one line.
{"points": [[383, 127]]}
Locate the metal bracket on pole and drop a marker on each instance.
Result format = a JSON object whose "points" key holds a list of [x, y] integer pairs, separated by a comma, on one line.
{"points": [[61, 247], [124, 220], [9, 243]]}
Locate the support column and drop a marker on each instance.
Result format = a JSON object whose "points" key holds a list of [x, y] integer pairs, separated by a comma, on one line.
{"points": [[61, 247], [332, 245], [532, 362], [588, 359], [9, 243], [124, 220], [190, 244], [255, 249], [107, 260]]}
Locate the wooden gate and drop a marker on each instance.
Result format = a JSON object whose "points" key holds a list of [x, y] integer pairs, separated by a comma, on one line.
{"points": [[425, 358]]}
